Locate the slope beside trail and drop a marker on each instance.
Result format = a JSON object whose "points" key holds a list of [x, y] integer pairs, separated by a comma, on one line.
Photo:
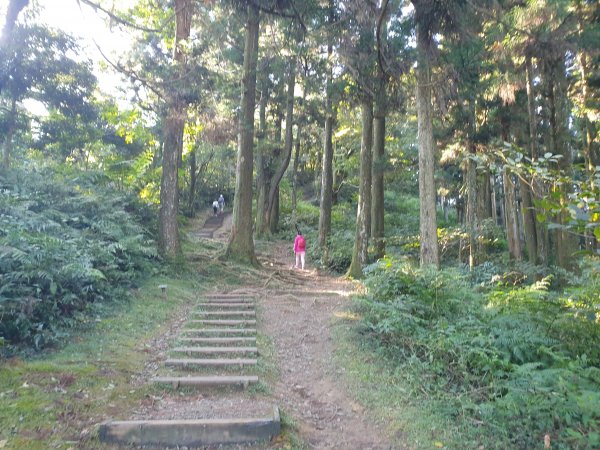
{"points": [[297, 310]]}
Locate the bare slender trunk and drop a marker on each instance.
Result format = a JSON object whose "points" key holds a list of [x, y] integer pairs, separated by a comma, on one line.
{"points": [[512, 226], [591, 151], [262, 185], [361, 240], [295, 166], [484, 196], [529, 222], [8, 139], [272, 213], [377, 210], [327, 166], [173, 140], [12, 13], [193, 179], [536, 189], [493, 199], [471, 185], [241, 244], [565, 244], [429, 253], [297, 150]]}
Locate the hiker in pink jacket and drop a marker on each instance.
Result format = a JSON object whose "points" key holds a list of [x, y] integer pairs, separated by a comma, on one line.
{"points": [[299, 250]]}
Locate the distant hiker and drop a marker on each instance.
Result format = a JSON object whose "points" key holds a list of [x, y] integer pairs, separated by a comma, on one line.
{"points": [[221, 203], [299, 250], [215, 207]]}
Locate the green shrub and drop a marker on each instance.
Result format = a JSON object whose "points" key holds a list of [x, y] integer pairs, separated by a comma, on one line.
{"points": [[65, 248], [522, 361]]}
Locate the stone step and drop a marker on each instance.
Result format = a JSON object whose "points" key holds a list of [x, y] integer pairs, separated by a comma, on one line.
{"points": [[219, 340], [209, 381], [174, 362], [191, 433], [224, 313], [223, 322], [225, 305], [228, 299], [213, 331], [214, 350]]}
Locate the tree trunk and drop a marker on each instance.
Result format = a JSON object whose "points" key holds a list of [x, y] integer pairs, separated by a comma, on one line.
{"points": [[429, 253], [241, 244], [494, 201], [471, 213], [471, 185], [361, 240], [12, 13], [295, 166], [377, 207], [262, 185], [193, 179], [529, 222], [484, 196], [591, 152], [10, 132], [169, 244], [327, 166], [565, 243], [541, 234], [510, 208], [326, 183], [272, 213]]}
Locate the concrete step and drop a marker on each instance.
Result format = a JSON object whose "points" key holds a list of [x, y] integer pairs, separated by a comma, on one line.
{"points": [[224, 313], [214, 350], [191, 433], [225, 322], [226, 305], [219, 340], [185, 362], [209, 381], [213, 331]]}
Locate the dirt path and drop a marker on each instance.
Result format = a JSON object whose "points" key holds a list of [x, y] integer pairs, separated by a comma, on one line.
{"points": [[298, 309]]}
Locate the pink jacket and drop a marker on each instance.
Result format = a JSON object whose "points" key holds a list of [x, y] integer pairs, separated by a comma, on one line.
{"points": [[299, 244]]}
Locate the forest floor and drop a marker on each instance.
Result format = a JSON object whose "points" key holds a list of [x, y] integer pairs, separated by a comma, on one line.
{"points": [[297, 313]]}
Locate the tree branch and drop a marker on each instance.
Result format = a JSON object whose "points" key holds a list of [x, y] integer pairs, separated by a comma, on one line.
{"points": [[116, 18]]}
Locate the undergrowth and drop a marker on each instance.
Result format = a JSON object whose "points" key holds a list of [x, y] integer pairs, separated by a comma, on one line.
{"points": [[514, 365], [69, 246]]}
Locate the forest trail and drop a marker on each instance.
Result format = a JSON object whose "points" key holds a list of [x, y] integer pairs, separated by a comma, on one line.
{"points": [[283, 333], [297, 311]]}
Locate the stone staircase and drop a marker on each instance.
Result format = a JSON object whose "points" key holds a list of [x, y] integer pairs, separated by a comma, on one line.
{"points": [[215, 352], [211, 225]]}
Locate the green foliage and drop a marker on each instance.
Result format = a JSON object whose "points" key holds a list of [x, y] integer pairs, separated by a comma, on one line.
{"points": [[520, 361], [67, 246], [341, 241]]}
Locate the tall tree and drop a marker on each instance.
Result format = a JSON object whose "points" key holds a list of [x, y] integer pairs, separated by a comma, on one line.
{"points": [[327, 165], [241, 243], [287, 146], [361, 238], [429, 253], [173, 128], [39, 64], [379, 115], [541, 234]]}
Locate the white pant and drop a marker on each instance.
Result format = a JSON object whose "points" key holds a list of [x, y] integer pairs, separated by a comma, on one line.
{"points": [[300, 260]]}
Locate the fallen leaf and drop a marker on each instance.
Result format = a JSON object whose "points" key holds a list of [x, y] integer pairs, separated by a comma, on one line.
{"points": [[3, 443], [438, 444]]}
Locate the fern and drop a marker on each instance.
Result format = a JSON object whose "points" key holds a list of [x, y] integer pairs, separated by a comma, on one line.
{"points": [[64, 247]]}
